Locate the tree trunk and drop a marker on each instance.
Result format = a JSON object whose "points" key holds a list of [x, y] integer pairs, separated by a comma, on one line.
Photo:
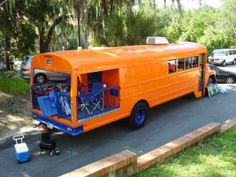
{"points": [[200, 3], [131, 3], [41, 38], [173, 2], [154, 5], [165, 3], [139, 2], [78, 21], [44, 43], [104, 7], [179, 5], [8, 46]]}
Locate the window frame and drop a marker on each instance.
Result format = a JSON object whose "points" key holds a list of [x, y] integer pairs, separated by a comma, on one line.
{"points": [[178, 64], [191, 63], [171, 65], [198, 64]]}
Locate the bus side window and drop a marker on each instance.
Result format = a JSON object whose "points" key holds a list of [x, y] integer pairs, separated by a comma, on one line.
{"points": [[195, 62], [180, 64], [172, 66], [188, 62]]}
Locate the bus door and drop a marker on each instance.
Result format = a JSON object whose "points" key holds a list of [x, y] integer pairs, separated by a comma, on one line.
{"points": [[201, 74]]}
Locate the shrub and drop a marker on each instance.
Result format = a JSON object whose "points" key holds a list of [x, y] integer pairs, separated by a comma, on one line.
{"points": [[10, 83]]}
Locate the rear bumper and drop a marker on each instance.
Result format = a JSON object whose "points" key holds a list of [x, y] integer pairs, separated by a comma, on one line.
{"points": [[25, 75], [59, 126], [218, 62]]}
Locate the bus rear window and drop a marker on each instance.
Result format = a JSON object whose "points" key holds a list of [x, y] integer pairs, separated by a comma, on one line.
{"points": [[172, 66]]}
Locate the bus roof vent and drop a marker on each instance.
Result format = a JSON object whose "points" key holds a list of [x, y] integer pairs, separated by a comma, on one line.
{"points": [[153, 40]]}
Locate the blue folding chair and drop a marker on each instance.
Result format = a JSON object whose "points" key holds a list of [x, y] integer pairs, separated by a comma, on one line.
{"points": [[93, 100], [97, 96]]}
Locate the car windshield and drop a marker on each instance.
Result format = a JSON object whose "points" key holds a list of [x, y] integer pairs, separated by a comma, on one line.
{"points": [[27, 60], [219, 52]]}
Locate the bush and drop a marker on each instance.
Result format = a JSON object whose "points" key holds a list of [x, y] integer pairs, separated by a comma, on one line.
{"points": [[10, 83]]}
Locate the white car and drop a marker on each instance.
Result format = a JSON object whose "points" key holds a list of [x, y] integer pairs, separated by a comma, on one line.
{"points": [[16, 65], [2, 66], [223, 57]]}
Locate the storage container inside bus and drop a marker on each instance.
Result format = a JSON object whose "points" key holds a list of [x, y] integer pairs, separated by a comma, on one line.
{"points": [[98, 93], [51, 93]]}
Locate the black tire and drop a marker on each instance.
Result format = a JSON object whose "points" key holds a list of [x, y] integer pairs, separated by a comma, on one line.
{"points": [[229, 80], [46, 136], [234, 62], [224, 63], [138, 115], [40, 78], [210, 81]]}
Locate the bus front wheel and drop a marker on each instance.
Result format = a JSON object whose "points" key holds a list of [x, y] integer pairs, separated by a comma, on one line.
{"points": [[138, 115]]}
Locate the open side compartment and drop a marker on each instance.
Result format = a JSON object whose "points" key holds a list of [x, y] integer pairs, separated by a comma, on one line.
{"points": [[51, 95], [98, 93]]}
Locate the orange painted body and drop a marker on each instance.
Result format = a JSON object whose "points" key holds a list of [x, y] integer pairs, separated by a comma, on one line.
{"points": [[142, 75]]}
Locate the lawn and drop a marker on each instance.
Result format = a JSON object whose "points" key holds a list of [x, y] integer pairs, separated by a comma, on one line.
{"points": [[13, 84], [215, 157]]}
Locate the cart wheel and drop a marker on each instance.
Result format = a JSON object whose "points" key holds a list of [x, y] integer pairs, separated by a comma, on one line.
{"points": [[51, 153], [57, 151]]}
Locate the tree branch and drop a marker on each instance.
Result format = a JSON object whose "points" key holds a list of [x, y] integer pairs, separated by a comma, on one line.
{"points": [[50, 32], [56, 22]]}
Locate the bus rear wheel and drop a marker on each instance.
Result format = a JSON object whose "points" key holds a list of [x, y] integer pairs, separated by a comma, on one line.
{"points": [[138, 115]]}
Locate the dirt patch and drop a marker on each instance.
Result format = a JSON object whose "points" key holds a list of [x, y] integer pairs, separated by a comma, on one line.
{"points": [[15, 113]]}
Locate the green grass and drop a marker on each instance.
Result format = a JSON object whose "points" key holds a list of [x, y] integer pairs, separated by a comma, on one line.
{"points": [[215, 157], [10, 83]]}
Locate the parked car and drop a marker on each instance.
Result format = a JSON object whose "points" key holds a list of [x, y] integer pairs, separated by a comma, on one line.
{"points": [[223, 57], [40, 76], [224, 76], [17, 65], [25, 67]]}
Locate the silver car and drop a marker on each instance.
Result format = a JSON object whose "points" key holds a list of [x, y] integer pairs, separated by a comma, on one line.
{"points": [[40, 76], [25, 67]]}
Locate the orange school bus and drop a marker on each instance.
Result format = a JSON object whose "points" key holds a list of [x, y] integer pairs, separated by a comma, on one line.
{"points": [[80, 90]]}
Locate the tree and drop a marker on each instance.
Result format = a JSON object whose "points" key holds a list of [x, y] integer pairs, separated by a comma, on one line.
{"points": [[126, 27], [46, 15], [227, 20], [16, 31], [95, 13], [179, 5]]}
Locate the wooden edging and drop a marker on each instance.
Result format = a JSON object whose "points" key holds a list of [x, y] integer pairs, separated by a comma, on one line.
{"points": [[126, 162]]}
